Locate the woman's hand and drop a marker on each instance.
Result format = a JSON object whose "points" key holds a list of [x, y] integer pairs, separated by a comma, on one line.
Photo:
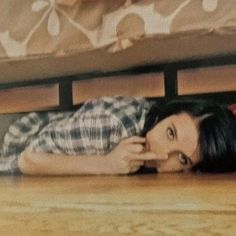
{"points": [[128, 156]]}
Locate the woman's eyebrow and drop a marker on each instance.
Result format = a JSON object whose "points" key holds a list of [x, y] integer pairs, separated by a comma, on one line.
{"points": [[176, 135], [188, 158], [175, 131]]}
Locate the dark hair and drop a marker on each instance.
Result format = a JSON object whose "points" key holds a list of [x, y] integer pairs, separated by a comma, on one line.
{"points": [[217, 128]]}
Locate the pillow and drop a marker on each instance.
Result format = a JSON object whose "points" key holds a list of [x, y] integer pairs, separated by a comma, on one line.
{"points": [[233, 108]]}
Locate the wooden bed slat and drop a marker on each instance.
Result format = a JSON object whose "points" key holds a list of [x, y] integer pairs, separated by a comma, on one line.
{"points": [[146, 85], [28, 99], [207, 80]]}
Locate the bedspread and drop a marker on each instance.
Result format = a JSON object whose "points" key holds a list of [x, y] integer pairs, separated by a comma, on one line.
{"points": [[36, 34]]}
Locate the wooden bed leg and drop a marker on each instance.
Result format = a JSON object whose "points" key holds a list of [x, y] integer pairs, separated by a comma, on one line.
{"points": [[171, 83], [65, 95]]}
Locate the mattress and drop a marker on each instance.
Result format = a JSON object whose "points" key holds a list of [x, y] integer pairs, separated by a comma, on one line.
{"points": [[50, 38]]}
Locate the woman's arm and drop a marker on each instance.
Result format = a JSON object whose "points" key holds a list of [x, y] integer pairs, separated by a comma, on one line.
{"points": [[126, 158], [33, 163]]}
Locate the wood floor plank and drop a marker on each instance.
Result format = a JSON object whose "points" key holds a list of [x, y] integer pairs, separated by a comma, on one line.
{"points": [[179, 204]]}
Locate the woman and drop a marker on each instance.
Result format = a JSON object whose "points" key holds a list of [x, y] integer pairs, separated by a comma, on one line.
{"points": [[119, 135]]}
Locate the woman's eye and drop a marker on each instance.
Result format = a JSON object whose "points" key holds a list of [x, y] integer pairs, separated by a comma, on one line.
{"points": [[182, 159], [170, 133]]}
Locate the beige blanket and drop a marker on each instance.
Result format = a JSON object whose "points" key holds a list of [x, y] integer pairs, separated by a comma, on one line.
{"points": [[36, 29]]}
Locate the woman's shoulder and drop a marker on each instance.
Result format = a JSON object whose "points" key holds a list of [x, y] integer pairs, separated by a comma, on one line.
{"points": [[115, 102]]}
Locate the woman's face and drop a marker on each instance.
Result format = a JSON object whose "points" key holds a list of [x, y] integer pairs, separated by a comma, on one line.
{"points": [[175, 141]]}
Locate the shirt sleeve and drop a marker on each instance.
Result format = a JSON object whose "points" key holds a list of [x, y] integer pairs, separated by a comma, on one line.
{"points": [[90, 130], [17, 139]]}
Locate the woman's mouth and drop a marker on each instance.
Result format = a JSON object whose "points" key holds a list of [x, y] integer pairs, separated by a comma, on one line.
{"points": [[150, 164]]}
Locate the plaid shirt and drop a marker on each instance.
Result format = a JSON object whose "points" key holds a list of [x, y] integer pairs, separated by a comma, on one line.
{"points": [[96, 128]]}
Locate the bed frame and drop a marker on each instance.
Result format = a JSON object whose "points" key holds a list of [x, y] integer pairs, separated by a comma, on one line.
{"points": [[170, 71]]}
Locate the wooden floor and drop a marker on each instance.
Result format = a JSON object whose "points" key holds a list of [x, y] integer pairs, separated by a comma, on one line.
{"points": [[178, 204]]}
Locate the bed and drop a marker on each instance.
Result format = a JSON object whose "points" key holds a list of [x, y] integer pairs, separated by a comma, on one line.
{"points": [[183, 47], [54, 54]]}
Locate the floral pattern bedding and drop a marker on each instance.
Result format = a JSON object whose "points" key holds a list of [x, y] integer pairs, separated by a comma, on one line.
{"points": [[36, 28]]}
